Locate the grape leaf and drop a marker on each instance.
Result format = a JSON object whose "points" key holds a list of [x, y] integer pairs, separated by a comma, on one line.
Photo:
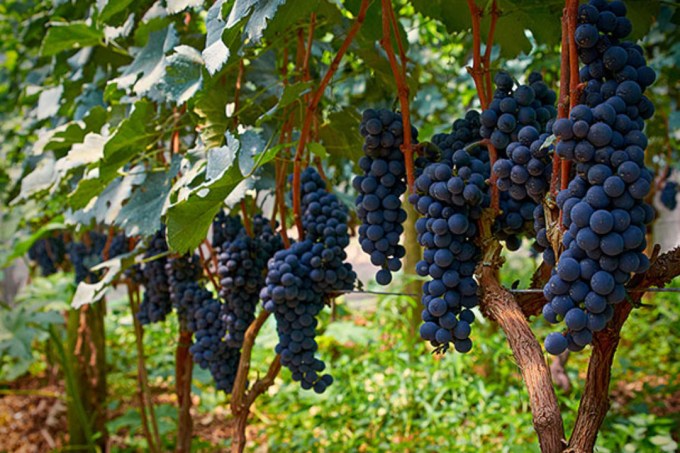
{"points": [[263, 10], [150, 62], [132, 135], [183, 75], [111, 8], [453, 14], [63, 36], [142, 214], [41, 178], [216, 53], [104, 209], [211, 110], [48, 102], [189, 219]]}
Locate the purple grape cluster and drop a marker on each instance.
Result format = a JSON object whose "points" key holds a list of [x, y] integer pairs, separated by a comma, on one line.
{"points": [[464, 131], [183, 273], [604, 205], [209, 349], [516, 118], [450, 194], [669, 195], [242, 267], [85, 255], [301, 278], [525, 176], [49, 254], [380, 188], [156, 302], [225, 228]]}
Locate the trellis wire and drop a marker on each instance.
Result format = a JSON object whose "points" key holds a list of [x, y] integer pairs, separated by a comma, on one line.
{"points": [[517, 291]]}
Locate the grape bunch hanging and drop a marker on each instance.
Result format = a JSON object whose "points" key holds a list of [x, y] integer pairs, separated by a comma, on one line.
{"points": [[605, 212], [301, 278]]}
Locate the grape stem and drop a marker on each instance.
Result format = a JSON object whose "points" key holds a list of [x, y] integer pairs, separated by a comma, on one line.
{"points": [[311, 111], [481, 75], [389, 24]]}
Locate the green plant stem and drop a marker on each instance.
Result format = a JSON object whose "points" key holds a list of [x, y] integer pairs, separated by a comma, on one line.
{"points": [[74, 399]]}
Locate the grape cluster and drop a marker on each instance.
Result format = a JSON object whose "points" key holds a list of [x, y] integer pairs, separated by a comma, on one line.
{"points": [[120, 245], [463, 132], [603, 206], [302, 277], [209, 349], [48, 253], [669, 195], [380, 188], [242, 266], [515, 120], [511, 110], [85, 255], [525, 176], [156, 302], [450, 195], [183, 274], [225, 228]]}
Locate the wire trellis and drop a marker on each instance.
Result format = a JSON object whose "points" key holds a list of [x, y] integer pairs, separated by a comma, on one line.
{"points": [[517, 291]]}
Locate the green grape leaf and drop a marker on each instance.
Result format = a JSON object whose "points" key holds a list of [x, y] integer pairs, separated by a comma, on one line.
{"points": [[454, 14], [216, 53], [189, 219], [318, 150], [142, 214], [132, 136], [211, 110], [111, 8], [150, 62], [63, 36], [183, 75]]}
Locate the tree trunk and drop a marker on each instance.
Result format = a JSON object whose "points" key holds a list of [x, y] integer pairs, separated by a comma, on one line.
{"points": [[183, 372], [86, 345], [500, 306]]}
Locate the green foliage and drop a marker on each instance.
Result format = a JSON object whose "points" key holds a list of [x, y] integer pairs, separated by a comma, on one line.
{"points": [[26, 323]]}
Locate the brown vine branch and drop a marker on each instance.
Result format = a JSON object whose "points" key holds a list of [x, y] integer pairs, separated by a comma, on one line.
{"points": [[558, 373], [308, 48], [500, 306], [237, 92], [213, 255], [400, 46], [481, 75], [563, 101], [183, 371], [210, 272], [246, 220], [572, 19], [402, 89], [311, 109], [241, 399], [486, 59], [476, 71], [594, 403]]}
